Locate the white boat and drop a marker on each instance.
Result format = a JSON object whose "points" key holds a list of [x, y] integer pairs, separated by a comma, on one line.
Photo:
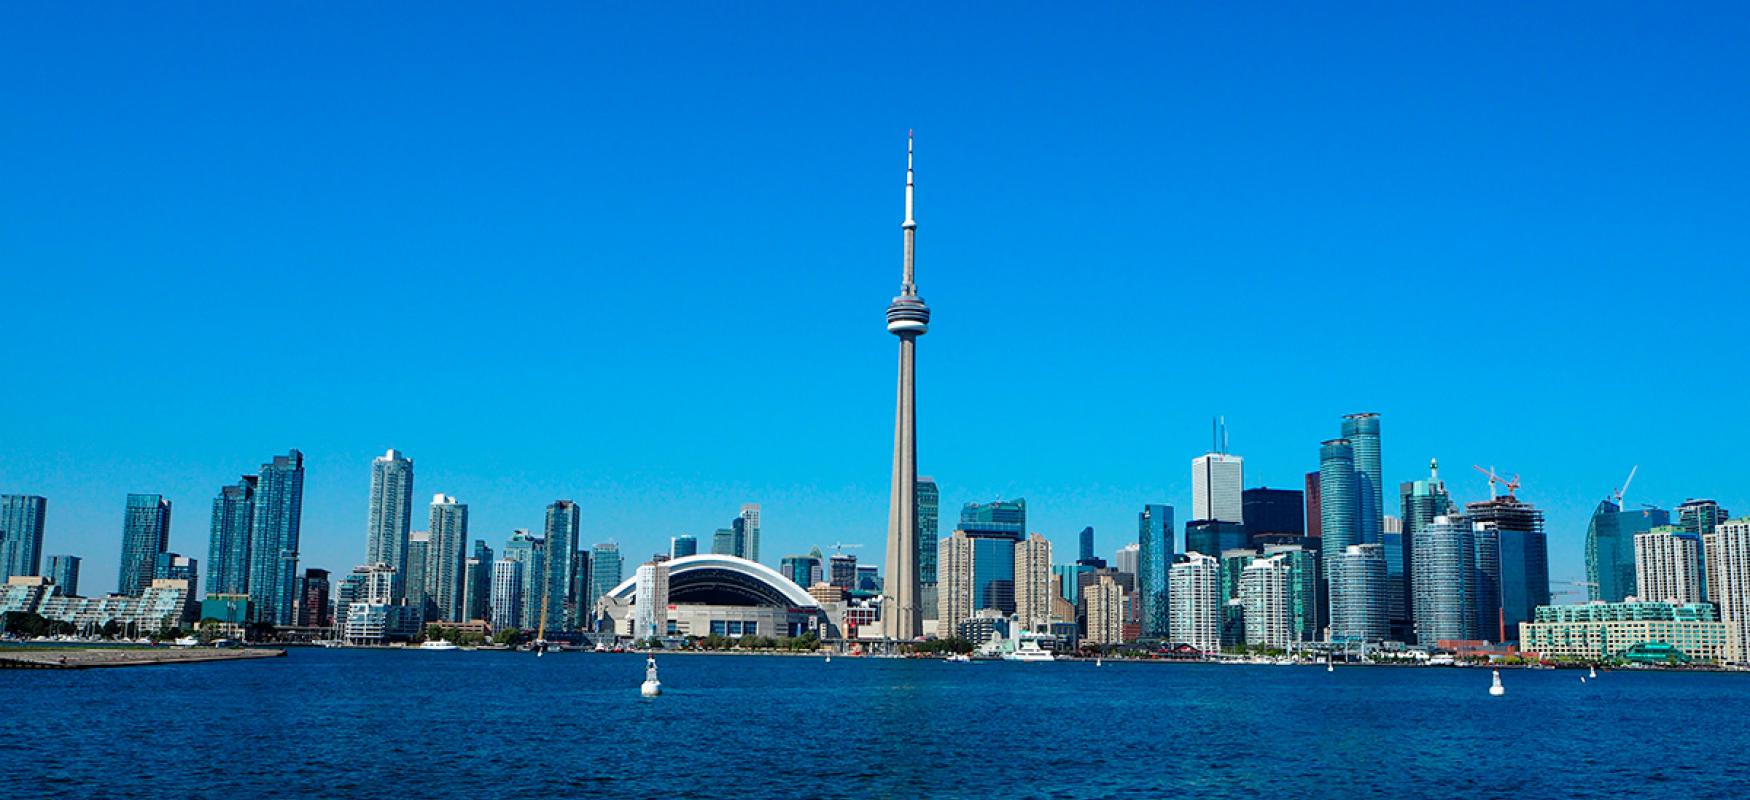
{"points": [[437, 645], [1592, 672], [1496, 689], [1026, 648], [187, 641], [959, 658]]}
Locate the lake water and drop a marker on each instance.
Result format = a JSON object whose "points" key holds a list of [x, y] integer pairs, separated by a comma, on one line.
{"points": [[389, 724]]}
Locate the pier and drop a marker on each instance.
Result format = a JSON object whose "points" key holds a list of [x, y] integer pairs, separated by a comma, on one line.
{"points": [[100, 657]]}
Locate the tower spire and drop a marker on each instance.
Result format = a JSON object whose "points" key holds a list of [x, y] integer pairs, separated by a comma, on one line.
{"points": [[909, 285]]}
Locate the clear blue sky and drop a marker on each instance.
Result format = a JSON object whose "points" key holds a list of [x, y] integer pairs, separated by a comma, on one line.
{"points": [[641, 261]]}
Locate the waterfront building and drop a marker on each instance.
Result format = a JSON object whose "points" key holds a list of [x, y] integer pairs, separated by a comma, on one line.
{"points": [[371, 613], [1443, 580], [1302, 589], [1154, 534], [1358, 595], [1033, 583], [1362, 433], [750, 531], [1273, 516], [1420, 502], [1217, 481], [566, 609], [907, 318], [1610, 548], [416, 584], [1729, 551], [1104, 599], [1214, 536], [1233, 620], [447, 556], [228, 544], [145, 534], [531, 551], [682, 546], [1267, 605], [476, 588], [21, 534], [650, 603], [391, 513], [1194, 597], [1339, 509], [725, 543], [162, 604], [1512, 564], [63, 572], [507, 593], [316, 609], [1315, 514], [274, 537], [1668, 565], [1636, 631], [606, 570]]}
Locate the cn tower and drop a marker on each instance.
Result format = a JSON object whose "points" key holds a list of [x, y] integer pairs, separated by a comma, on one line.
{"points": [[908, 318]]}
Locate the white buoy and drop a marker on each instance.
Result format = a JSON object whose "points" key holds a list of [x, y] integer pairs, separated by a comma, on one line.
{"points": [[1329, 667], [829, 658], [1496, 689], [652, 687], [1593, 671], [1099, 663]]}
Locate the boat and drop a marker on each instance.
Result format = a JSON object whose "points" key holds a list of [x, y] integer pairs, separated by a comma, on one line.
{"points": [[651, 686], [1592, 672], [187, 641], [437, 645], [959, 658], [1026, 648], [1496, 689]]}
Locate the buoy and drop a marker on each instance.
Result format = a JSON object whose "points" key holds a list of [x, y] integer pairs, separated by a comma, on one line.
{"points": [[829, 658], [1496, 689], [652, 687], [1329, 667], [1099, 663], [1593, 671]]}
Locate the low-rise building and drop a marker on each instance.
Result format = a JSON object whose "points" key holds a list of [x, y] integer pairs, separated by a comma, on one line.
{"points": [[1634, 630]]}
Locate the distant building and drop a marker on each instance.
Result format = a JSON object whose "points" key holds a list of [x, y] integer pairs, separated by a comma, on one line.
{"points": [[1610, 548], [1421, 502], [1700, 517], [606, 570], [1264, 593], [21, 534], [1362, 433], [145, 534], [1339, 507], [448, 556], [1033, 583], [1443, 580], [725, 543], [955, 598], [842, 571], [1358, 595], [162, 604], [391, 513], [560, 562], [749, 521], [1001, 516], [316, 610], [804, 570], [824, 593], [1314, 509], [1085, 550], [507, 594], [1105, 601], [372, 615], [1668, 566], [1210, 536], [416, 584], [929, 512], [529, 550], [1217, 481], [229, 536], [1127, 558], [683, 546], [650, 606], [1512, 564], [63, 571], [1273, 515], [1652, 632], [1302, 589], [1730, 551], [1154, 556], [1194, 592], [1233, 622], [868, 578], [274, 535]]}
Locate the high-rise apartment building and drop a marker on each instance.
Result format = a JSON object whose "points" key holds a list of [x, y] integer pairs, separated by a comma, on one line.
{"points": [[507, 593], [1303, 589], [802, 570], [606, 570], [317, 610], [955, 598], [228, 543], [1194, 594], [749, 520], [1315, 515], [1443, 579], [1700, 517], [1214, 537], [929, 512], [650, 600], [416, 585], [273, 540], [1362, 433], [726, 542], [145, 534], [1268, 605], [565, 609], [1104, 599], [1154, 533], [1730, 552], [21, 534], [530, 551], [63, 572], [1668, 566], [391, 515], [1033, 582], [448, 556], [1217, 484], [1126, 558], [1358, 595]]}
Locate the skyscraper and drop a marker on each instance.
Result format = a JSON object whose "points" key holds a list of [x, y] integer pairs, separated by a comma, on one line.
{"points": [[1700, 516], [417, 583], [1154, 534], [1610, 548], [908, 318], [145, 534], [1274, 516], [606, 570], [1033, 582], [564, 610], [1303, 589], [1443, 579], [1730, 553], [1358, 596], [750, 531], [274, 536], [682, 546], [1267, 602], [1104, 599], [1085, 553], [1668, 566], [725, 542], [507, 594], [391, 515], [229, 538], [1420, 502], [448, 556], [1214, 537], [1339, 500], [1362, 431], [929, 503], [318, 610], [1217, 481], [21, 534], [1125, 560], [1315, 517], [1194, 591], [530, 551], [650, 600], [955, 598], [1512, 565], [477, 582], [63, 571]]}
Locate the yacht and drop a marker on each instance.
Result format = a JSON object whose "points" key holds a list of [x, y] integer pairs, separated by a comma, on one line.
{"points": [[1026, 648], [437, 645], [187, 641], [959, 658]]}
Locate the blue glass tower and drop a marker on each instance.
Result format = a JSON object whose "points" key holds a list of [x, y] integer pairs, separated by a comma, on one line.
{"points": [[274, 533], [1154, 536], [228, 542], [1358, 598], [21, 534], [145, 534], [1362, 431], [928, 505], [1610, 548], [1443, 580], [553, 587]]}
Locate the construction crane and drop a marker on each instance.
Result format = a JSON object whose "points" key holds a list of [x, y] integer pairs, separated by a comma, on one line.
{"points": [[841, 546], [1512, 483], [1617, 497]]}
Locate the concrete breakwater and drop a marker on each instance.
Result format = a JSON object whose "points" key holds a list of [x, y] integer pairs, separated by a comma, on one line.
{"points": [[49, 658]]}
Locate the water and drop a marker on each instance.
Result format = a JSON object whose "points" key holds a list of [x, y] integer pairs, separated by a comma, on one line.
{"points": [[386, 724]]}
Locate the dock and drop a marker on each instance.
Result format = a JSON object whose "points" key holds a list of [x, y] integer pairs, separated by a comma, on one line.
{"points": [[103, 657]]}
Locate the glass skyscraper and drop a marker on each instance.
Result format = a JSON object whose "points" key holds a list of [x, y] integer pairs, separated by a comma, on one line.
{"points": [[1362, 431], [145, 534], [928, 507], [1274, 515], [1443, 580], [228, 538], [1420, 502], [994, 528], [63, 571], [529, 551], [564, 610], [21, 534], [1610, 548], [683, 546], [1512, 565], [1339, 509], [1154, 536], [1358, 598], [605, 572], [391, 515], [448, 556], [1214, 537], [274, 534]]}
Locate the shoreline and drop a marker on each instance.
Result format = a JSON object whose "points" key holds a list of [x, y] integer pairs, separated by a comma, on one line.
{"points": [[111, 657]]}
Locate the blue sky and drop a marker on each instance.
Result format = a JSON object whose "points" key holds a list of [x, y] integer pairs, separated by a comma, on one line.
{"points": [[640, 260]]}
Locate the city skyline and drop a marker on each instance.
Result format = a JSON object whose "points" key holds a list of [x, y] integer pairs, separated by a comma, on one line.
{"points": [[1045, 229]]}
